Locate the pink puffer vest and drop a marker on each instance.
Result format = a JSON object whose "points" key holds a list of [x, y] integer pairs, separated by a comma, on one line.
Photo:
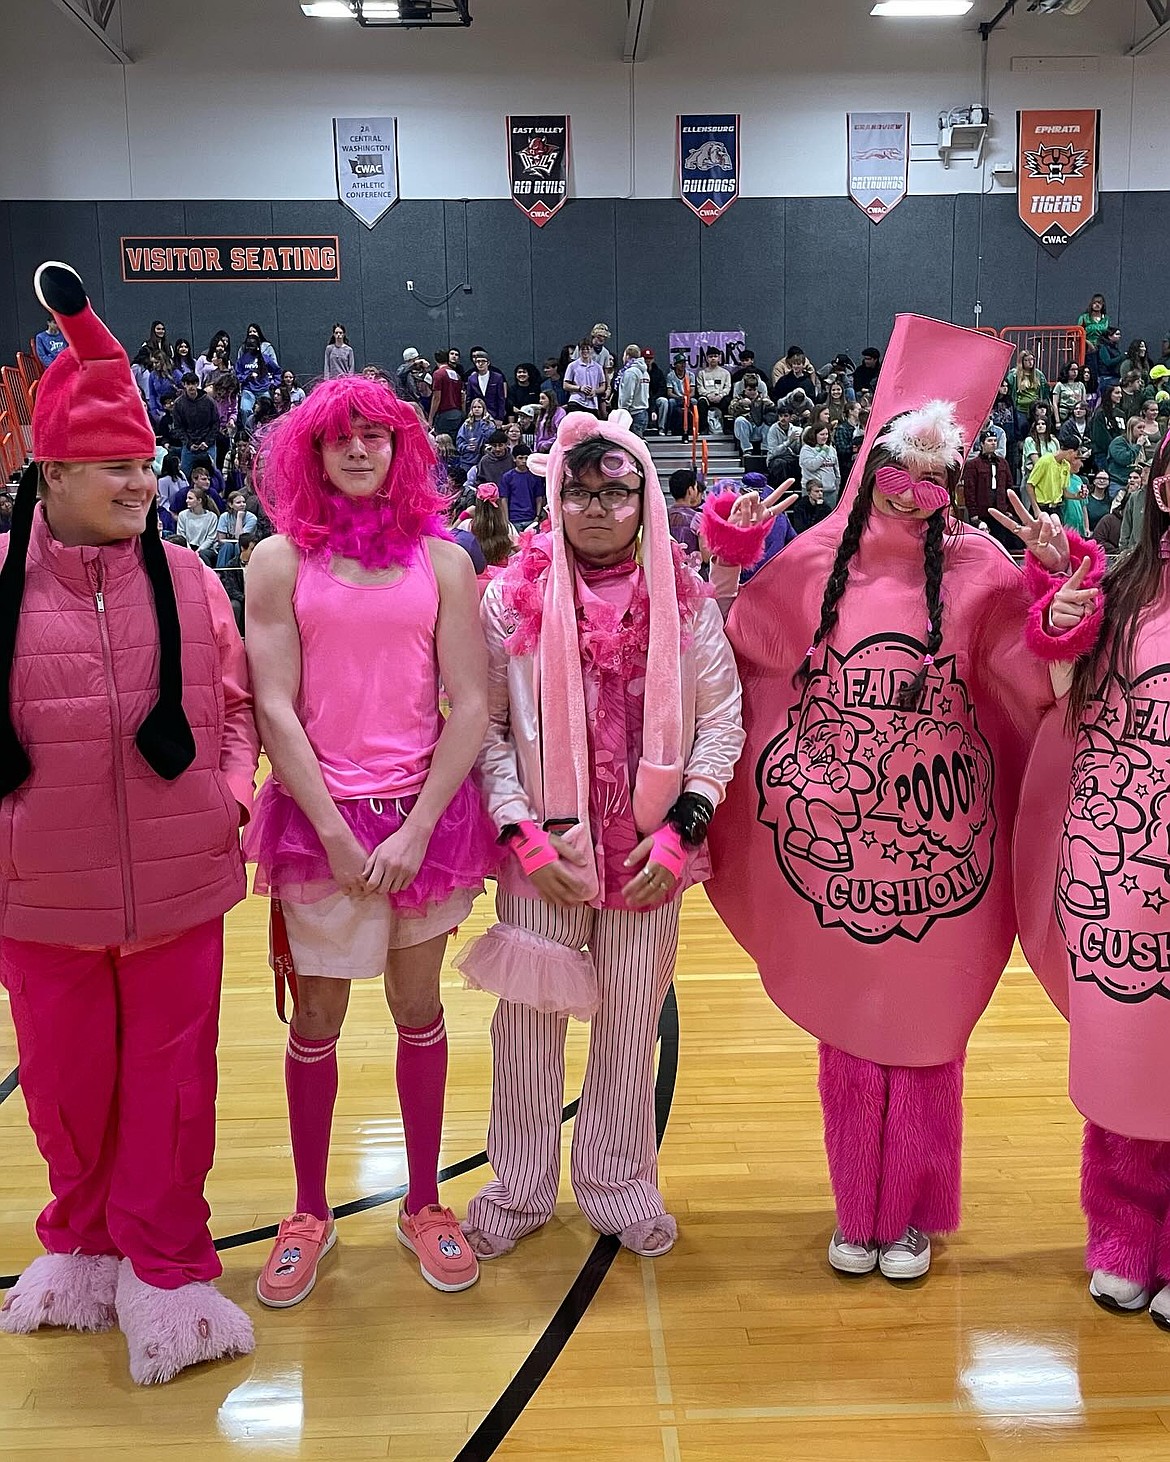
{"points": [[96, 848]]}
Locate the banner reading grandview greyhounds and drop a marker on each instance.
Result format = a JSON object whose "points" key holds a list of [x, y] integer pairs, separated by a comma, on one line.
{"points": [[879, 151], [367, 165], [708, 164], [1057, 170], [538, 165]]}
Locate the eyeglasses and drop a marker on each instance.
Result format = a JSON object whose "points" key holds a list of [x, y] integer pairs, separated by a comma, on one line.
{"points": [[578, 499]]}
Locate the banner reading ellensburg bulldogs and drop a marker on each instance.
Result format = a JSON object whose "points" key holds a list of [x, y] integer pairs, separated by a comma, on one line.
{"points": [[1057, 169], [367, 165], [708, 164], [538, 165]]}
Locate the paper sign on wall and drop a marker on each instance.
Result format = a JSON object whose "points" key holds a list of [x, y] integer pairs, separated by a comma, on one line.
{"points": [[538, 165], [879, 151], [708, 164], [1056, 164], [366, 154], [697, 342]]}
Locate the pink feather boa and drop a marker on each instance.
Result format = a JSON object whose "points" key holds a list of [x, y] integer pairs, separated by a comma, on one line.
{"points": [[1044, 586], [739, 548], [608, 641], [368, 530]]}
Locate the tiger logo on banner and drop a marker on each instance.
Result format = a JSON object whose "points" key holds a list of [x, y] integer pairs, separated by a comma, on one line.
{"points": [[1057, 169]]}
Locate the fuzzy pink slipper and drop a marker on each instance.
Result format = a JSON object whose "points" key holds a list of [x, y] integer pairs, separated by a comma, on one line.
{"points": [[650, 1237], [168, 1330], [486, 1246], [76, 1290]]}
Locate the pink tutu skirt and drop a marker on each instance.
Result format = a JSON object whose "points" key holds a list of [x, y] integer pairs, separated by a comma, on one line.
{"points": [[291, 863], [530, 969]]}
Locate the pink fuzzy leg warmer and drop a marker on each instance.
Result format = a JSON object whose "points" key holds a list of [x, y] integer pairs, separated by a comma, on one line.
{"points": [[893, 1135], [1125, 1194]]}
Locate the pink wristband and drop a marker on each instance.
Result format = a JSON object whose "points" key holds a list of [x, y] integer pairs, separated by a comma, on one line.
{"points": [[534, 848], [668, 852]]}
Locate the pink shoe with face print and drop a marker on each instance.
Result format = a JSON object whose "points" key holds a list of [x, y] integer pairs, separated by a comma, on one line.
{"points": [[445, 1257], [291, 1272]]}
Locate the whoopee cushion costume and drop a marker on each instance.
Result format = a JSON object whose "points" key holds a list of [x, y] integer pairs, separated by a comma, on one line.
{"points": [[127, 752]]}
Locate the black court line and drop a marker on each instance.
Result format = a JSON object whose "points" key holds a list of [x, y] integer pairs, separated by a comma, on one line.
{"points": [[343, 1210], [9, 1084], [500, 1420]]}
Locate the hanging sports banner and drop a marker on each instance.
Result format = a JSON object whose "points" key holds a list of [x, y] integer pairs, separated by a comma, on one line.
{"points": [[879, 155], [1056, 163], [366, 150], [708, 164], [538, 165], [697, 342]]}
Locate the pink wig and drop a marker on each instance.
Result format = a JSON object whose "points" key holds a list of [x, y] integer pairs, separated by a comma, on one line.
{"points": [[305, 506]]}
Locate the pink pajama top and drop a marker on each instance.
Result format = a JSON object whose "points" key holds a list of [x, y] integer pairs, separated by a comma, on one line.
{"points": [[1101, 837], [862, 857]]}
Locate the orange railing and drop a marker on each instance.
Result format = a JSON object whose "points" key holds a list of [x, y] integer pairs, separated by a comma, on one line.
{"points": [[1053, 345], [18, 385]]}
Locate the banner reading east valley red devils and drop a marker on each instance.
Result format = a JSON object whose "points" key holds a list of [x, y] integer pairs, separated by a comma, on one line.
{"points": [[708, 164], [1057, 170], [538, 165], [879, 150]]}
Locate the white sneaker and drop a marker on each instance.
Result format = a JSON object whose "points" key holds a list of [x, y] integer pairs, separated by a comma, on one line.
{"points": [[907, 1257], [849, 1258], [1113, 1293], [1160, 1308]]}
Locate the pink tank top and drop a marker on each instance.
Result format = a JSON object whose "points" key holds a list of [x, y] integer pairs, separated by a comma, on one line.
{"points": [[369, 696]]}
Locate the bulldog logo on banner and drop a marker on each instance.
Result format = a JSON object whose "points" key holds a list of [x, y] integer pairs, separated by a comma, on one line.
{"points": [[538, 165], [1057, 168], [366, 155], [883, 817], [879, 151], [708, 164]]}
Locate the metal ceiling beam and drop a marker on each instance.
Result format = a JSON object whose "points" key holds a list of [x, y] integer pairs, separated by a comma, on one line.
{"points": [[989, 25], [93, 17], [1148, 40], [638, 16], [1158, 10]]}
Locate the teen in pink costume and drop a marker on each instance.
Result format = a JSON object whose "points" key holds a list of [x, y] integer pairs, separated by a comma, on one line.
{"points": [[1099, 835], [614, 730], [370, 836], [127, 758], [889, 703]]}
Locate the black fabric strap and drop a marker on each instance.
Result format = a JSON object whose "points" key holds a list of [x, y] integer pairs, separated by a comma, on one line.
{"points": [[165, 738], [14, 763]]}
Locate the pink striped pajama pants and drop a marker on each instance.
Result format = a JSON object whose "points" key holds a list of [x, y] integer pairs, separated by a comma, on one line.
{"points": [[614, 1163]]}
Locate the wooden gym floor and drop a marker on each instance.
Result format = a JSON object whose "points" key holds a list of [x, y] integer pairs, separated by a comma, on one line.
{"points": [[739, 1344]]}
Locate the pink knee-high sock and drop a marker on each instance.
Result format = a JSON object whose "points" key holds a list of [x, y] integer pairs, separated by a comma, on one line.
{"points": [[310, 1079], [421, 1074]]}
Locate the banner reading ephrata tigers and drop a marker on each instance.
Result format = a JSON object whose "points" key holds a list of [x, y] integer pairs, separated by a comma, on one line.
{"points": [[1057, 169]]}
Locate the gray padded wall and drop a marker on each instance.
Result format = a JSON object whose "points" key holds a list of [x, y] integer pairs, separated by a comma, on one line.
{"points": [[809, 270]]}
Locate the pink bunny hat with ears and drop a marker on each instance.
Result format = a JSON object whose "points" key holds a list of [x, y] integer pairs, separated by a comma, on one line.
{"points": [[562, 698]]}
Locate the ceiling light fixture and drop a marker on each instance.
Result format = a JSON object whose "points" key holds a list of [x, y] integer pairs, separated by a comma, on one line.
{"points": [[403, 14], [921, 9]]}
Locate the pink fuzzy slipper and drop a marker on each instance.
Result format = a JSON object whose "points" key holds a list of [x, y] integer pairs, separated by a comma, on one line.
{"points": [[168, 1330], [76, 1290], [650, 1237], [486, 1246]]}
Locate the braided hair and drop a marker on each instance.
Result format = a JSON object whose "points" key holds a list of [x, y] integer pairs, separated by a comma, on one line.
{"points": [[910, 695]]}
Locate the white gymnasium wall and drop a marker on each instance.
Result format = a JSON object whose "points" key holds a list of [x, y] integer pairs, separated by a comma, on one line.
{"points": [[233, 98]]}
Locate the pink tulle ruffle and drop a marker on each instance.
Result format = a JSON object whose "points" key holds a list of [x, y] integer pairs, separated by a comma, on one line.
{"points": [[529, 969], [291, 863]]}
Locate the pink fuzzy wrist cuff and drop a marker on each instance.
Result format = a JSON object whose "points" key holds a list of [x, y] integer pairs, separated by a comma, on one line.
{"points": [[737, 547]]}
